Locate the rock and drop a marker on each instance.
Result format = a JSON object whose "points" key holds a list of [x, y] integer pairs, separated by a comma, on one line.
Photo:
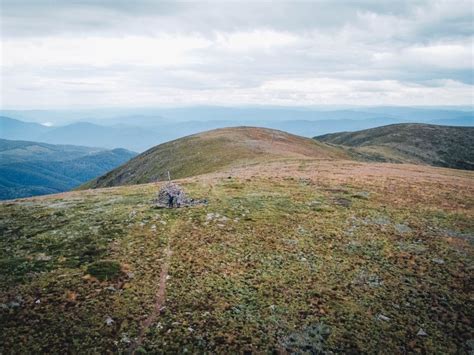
{"points": [[344, 202], [43, 257], [125, 339], [38, 301], [382, 317], [382, 221], [309, 340], [109, 321], [362, 195], [438, 261], [421, 333], [402, 228]]}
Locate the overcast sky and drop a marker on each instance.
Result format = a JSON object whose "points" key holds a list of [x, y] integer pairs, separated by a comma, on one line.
{"points": [[70, 54]]}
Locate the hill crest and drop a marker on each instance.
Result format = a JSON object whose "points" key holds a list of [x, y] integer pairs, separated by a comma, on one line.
{"points": [[444, 146], [212, 150]]}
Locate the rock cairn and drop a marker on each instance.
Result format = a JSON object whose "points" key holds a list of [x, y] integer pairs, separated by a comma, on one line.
{"points": [[173, 196]]}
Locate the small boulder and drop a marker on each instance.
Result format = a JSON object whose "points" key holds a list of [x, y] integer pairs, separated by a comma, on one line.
{"points": [[421, 333]]}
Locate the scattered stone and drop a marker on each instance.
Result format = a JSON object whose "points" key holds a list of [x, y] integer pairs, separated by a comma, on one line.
{"points": [[382, 221], [364, 278], [421, 333], [309, 340], [43, 257], [305, 181], [301, 230], [415, 248], [383, 318], [343, 202], [210, 216], [362, 195], [402, 228], [14, 304], [125, 339]]}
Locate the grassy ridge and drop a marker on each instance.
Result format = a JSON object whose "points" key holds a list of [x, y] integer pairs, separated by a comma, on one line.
{"points": [[445, 146], [211, 151]]}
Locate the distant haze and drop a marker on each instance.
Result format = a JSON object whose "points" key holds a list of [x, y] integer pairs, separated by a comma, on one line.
{"points": [[140, 129], [93, 54]]}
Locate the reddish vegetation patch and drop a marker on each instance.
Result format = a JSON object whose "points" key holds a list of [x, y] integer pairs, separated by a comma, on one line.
{"points": [[397, 183]]}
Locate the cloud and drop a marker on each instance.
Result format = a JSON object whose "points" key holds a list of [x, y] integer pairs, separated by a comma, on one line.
{"points": [[60, 53]]}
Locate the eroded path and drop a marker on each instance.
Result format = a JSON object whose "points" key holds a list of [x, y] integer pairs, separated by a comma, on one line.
{"points": [[160, 298]]}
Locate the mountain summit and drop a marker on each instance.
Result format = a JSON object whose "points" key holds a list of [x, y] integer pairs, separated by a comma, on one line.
{"points": [[212, 150]]}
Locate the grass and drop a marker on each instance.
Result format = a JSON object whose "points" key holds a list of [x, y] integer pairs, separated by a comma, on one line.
{"points": [[270, 264], [104, 270], [212, 151]]}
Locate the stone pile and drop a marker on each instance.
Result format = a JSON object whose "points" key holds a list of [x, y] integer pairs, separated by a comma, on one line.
{"points": [[173, 196]]}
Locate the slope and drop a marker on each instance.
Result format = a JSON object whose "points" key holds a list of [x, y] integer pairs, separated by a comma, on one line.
{"points": [[210, 151], [298, 255], [31, 168], [23, 151], [443, 146]]}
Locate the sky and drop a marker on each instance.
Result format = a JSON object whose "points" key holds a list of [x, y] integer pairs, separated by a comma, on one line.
{"points": [[100, 53]]}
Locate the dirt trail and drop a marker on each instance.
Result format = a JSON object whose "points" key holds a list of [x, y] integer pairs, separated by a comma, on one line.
{"points": [[160, 298]]}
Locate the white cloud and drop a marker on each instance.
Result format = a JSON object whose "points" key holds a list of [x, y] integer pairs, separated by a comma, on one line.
{"points": [[256, 40], [298, 53], [164, 50]]}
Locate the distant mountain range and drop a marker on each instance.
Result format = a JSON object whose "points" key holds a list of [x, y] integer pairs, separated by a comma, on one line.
{"points": [[31, 168], [146, 128], [450, 147]]}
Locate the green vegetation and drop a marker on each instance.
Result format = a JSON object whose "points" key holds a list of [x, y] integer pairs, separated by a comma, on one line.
{"points": [[273, 262], [211, 151], [296, 251], [31, 168], [445, 146], [104, 270]]}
